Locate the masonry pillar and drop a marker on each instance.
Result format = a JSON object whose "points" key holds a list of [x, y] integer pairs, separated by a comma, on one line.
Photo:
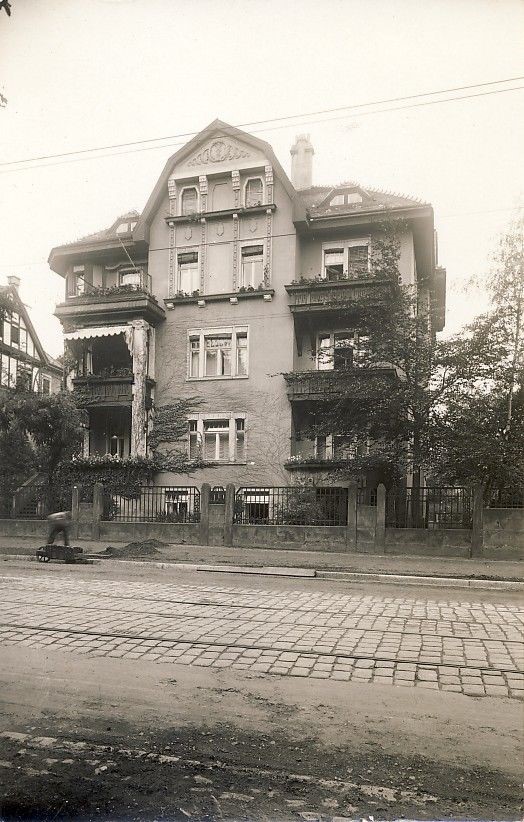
{"points": [[98, 509], [136, 339], [205, 493], [351, 532], [477, 533], [75, 510], [380, 527], [228, 514]]}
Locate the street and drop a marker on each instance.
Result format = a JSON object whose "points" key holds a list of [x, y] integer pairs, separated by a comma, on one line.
{"points": [[140, 693]]}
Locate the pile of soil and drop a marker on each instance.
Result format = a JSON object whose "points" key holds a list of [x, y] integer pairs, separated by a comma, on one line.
{"points": [[136, 550]]}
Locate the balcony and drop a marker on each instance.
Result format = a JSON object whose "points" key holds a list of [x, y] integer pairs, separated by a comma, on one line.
{"points": [[132, 300], [108, 391], [322, 386], [319, 296]]}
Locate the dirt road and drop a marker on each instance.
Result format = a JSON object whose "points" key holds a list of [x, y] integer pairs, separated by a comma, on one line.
{"points": [[88, 735]]}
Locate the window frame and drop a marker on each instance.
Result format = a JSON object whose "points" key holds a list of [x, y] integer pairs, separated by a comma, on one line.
{"points": [[236, 332], [232, 418], [180, 253], [354, 332], [244, 191], [250, 244], [192, 187], [345, 245]]}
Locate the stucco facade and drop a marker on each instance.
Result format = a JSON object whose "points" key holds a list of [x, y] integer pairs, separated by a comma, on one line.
{"points": [[247, 269]]}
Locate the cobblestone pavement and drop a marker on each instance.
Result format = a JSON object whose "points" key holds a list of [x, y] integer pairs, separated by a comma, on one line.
{"points": [[474, 648]]}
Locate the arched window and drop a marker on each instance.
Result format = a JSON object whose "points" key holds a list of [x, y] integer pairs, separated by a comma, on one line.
{"points": [[189, 201], [254, 192]]}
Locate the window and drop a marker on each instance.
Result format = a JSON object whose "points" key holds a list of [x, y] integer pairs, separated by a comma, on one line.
{"points": [[222, 352], [221, 438], [347, 260], [188, 273], [24, 377], [189, 201], [252, 269], [116, 445], [15, 335], [75, 281], [129, 276], [46, 385], [342, 349], [337, 200], [122, 228], [334, 264], [352, 198], [217, 361], [254, 192], [340, 447]]}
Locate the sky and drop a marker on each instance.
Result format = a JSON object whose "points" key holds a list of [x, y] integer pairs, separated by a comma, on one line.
{"points": [[79, 75]]}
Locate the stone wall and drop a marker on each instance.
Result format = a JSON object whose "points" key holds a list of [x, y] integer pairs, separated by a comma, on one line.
{"points": [[503, 530]]}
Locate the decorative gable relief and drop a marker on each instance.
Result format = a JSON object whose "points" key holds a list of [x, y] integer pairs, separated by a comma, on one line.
{"points": [[219, 151]]}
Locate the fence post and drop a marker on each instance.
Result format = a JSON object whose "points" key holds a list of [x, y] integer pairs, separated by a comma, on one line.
{"points": [[477, 533], [380, 528], [205, 493], [351, 531], [75, 510], [228, 514], [98, 509]]}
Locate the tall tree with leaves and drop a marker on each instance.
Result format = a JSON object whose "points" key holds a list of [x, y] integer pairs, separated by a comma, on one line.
{"points": [[478, 432]]}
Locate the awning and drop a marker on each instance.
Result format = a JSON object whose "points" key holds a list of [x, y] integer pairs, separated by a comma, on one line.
{"points": [[103, 331], [100, 331]]}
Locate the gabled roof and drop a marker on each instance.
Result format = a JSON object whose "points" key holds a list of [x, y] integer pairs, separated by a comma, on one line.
{"points": [[215, 129], [12, 293]]}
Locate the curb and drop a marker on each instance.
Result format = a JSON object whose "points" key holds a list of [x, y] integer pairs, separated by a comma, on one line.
{"points": [[310, 573]]}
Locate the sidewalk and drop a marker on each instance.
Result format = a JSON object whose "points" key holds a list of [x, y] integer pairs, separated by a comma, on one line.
{"points": [[320, 561]]}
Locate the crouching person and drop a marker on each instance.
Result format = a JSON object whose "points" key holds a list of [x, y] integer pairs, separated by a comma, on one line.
{"points": [[59, 523]]}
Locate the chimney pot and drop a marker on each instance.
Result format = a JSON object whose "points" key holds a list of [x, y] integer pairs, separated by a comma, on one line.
{"points": [[302, 162], [14, 281]]}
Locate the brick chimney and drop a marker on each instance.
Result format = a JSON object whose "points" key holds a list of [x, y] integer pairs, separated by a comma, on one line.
{"points": [[14, 281], [302, 162]]}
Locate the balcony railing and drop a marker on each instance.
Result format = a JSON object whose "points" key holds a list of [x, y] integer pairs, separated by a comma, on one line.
{"points": [[329, 384], [104, 390], [321, 295], [138, 282]]}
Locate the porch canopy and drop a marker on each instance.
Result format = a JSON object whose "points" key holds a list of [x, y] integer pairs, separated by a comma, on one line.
{"points": [[102, 331]]}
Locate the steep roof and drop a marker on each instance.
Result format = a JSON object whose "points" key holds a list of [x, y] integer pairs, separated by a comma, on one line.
{"points": [[111, 233], [12, 293], [317, 200]]}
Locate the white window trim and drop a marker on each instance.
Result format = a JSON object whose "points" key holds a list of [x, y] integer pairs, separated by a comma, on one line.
{"points": [[330, 442], [202, 333], [331, 334], [190, 249], [246, 244], [244, 190], [231, 417], [345, 245], [180, 195]]}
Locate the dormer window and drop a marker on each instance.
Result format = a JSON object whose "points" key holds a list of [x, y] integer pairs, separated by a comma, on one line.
{"points": [[189, 201], [349, 198], [254, 192], [122, 228]]}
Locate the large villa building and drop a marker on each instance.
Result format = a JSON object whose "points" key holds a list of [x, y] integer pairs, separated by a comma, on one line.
{"points": [[231, 284]]}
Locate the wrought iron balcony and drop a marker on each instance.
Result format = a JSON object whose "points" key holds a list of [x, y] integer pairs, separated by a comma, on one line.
{"points": [[96, 390], [328, 385], [131, 300], [323, 296]]}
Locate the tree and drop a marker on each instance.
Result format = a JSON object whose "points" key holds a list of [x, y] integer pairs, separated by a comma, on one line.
{"points": [[478, 432], [49, 426]]}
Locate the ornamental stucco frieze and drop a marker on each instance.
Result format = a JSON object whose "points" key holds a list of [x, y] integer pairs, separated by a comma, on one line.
{"points": [[218, 152]]}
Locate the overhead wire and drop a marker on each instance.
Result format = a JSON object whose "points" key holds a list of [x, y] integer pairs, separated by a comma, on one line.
{"points": [[349, 108]]}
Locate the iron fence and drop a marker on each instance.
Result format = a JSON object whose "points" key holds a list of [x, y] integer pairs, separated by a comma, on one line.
{"points": [[431, 508], [367, 496], [291, 505], [506, 499], [159, 503], [38, 501]]}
